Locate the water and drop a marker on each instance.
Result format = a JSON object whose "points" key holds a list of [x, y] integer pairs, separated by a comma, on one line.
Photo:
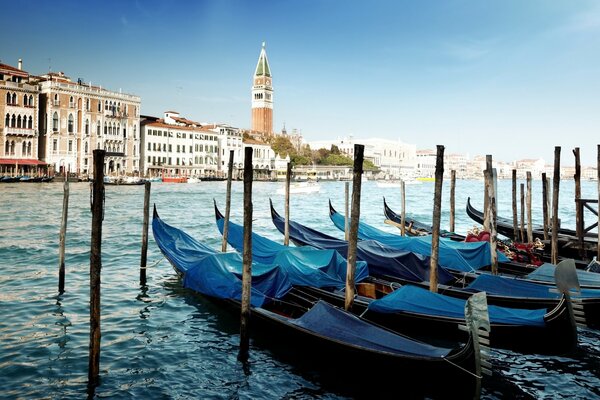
{"points": [[162, 341]]}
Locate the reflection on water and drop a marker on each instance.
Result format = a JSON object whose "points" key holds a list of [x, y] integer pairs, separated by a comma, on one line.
{"points": [[163, 341]]}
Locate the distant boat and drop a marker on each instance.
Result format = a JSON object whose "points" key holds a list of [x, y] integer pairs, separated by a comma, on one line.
{"points": [[301, 187], [193, 180], [426, 179], [174, 179]]}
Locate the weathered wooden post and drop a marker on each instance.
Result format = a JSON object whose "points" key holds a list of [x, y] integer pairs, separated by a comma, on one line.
{"points": [[62, 237], [493, 219], [578, 205], [359, 150], [514, 206], [227, 202], [545, 205], [486, 178], [95, 268], [403, 211], [556, 187], [598, 176], [145, 233], [347, 214], [522, 187], [247, 257], [288, 179], [452, 198], [529, 222], [437, 214]]}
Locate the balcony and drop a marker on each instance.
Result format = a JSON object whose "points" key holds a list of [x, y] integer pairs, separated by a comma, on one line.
{"points": [[19, 131], [56, 103]]}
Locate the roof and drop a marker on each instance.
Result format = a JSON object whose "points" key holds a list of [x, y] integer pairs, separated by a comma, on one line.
{"points": [[160, 123], [21, 161], [14, 71], [262, 67]]}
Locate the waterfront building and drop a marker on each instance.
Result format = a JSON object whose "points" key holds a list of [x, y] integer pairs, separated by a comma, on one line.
{"points": [[426, 160], [176, 146], [77, 117], [19, 99], [535, 165], [229, 138], [262, 96], [263, 159]]}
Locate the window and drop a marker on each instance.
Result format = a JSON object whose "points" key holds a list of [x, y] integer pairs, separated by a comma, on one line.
{"points": [[7, 120], [70, 146], [19, 121], [55, 121], [24, 148], [25, 103], [7, 99], [134, 131], [134, 150], [98, 129], [55, 145], [149, 146], [29, 148], [87, 126], [85, 148], [70, 125], [99, 106], [87, 105], [30, 123]]}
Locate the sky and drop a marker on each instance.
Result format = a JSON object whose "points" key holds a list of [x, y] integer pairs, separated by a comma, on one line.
{"points": [[510, 78]]}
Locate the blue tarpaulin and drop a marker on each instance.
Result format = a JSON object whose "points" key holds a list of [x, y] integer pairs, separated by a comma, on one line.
{"points": [[382, 260], [414, 299], [458, 256], [545, 273], [305, 266]]}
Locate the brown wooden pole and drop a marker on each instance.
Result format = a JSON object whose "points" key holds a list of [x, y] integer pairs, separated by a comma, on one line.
{"points": [[95, 268], [288, 180], [522, 187], [578, 205], [437, 214], [359, 151], [493, 220], [247, 257], [514, 206], [529, 222], [145, 233], [486, 199], [556, 188], [227, 202], [403, 211], [452, 199], [545, 204], [62, 237], [347, 214], [598, 176]]}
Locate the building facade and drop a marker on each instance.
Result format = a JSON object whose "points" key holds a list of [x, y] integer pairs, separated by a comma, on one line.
{"points": [[19, 134], [175, 146], [76, 118], [262, 96]]}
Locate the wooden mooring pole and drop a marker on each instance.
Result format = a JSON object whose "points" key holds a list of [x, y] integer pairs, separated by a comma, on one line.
{"points": [[347, 214], [145, 233], [247, 257], [95, 268], [227, 202], [529, 222], [579, 228], [359, 151], [598, 228], [437, 214], [452, 199], [556, 188], [522, 188], [62, 237], [486, 177], [493, 219], [545, 205], [514, 206], [288, 180], [403, 211]]}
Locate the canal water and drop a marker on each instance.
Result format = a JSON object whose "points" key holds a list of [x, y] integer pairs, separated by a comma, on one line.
{"points": [[163, 341]]}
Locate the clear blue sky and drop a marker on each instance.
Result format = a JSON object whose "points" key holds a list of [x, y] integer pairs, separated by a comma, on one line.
{"points": [[510, 78]]}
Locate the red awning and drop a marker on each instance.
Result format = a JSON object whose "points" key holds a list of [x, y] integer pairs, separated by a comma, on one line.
{"points": [[21, 161]]}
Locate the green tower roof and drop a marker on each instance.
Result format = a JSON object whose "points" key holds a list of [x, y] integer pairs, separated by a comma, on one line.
{"points": [[262, 68]]}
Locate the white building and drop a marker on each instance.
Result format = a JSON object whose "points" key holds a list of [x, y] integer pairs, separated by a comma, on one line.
{"points": [[176, 146], [229, 138]]}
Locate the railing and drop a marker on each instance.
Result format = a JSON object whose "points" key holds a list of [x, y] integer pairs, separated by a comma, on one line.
{"points": [[90, 89], [56, 102], [20, 131]]}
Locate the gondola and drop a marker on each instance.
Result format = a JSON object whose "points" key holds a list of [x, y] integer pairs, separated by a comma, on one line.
{"points": [[565, 236], [501, 290], [414, 310], [325, 331], [414, 227], [463, 257]]}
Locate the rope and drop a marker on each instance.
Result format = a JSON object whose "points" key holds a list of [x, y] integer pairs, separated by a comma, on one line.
{"points": [[463, 369], [153, 265]]}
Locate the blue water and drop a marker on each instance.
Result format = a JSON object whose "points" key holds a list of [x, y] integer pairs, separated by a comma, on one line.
{"points": [[161, 341]]}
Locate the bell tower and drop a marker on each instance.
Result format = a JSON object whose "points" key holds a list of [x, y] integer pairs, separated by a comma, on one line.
{"points": [[262, 96]]}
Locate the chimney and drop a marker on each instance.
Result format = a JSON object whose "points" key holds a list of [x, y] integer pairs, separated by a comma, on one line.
{"points": [[20, 64]]}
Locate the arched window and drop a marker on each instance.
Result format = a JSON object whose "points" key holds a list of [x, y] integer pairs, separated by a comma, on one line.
{"points": [[87, 126], [25, 100], [99, 107], [14, 99], [85, 148], [105, 105], [105, 129], [71, 102], [70, 125], [29, 148], [55, 121], [87, 104], [31, 100], [7, 120], [30, 122], [98, 129], [19, 121], [7, 99]]}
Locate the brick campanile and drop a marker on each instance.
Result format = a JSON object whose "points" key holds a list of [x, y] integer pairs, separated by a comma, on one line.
{"points": [[262, 96]]}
